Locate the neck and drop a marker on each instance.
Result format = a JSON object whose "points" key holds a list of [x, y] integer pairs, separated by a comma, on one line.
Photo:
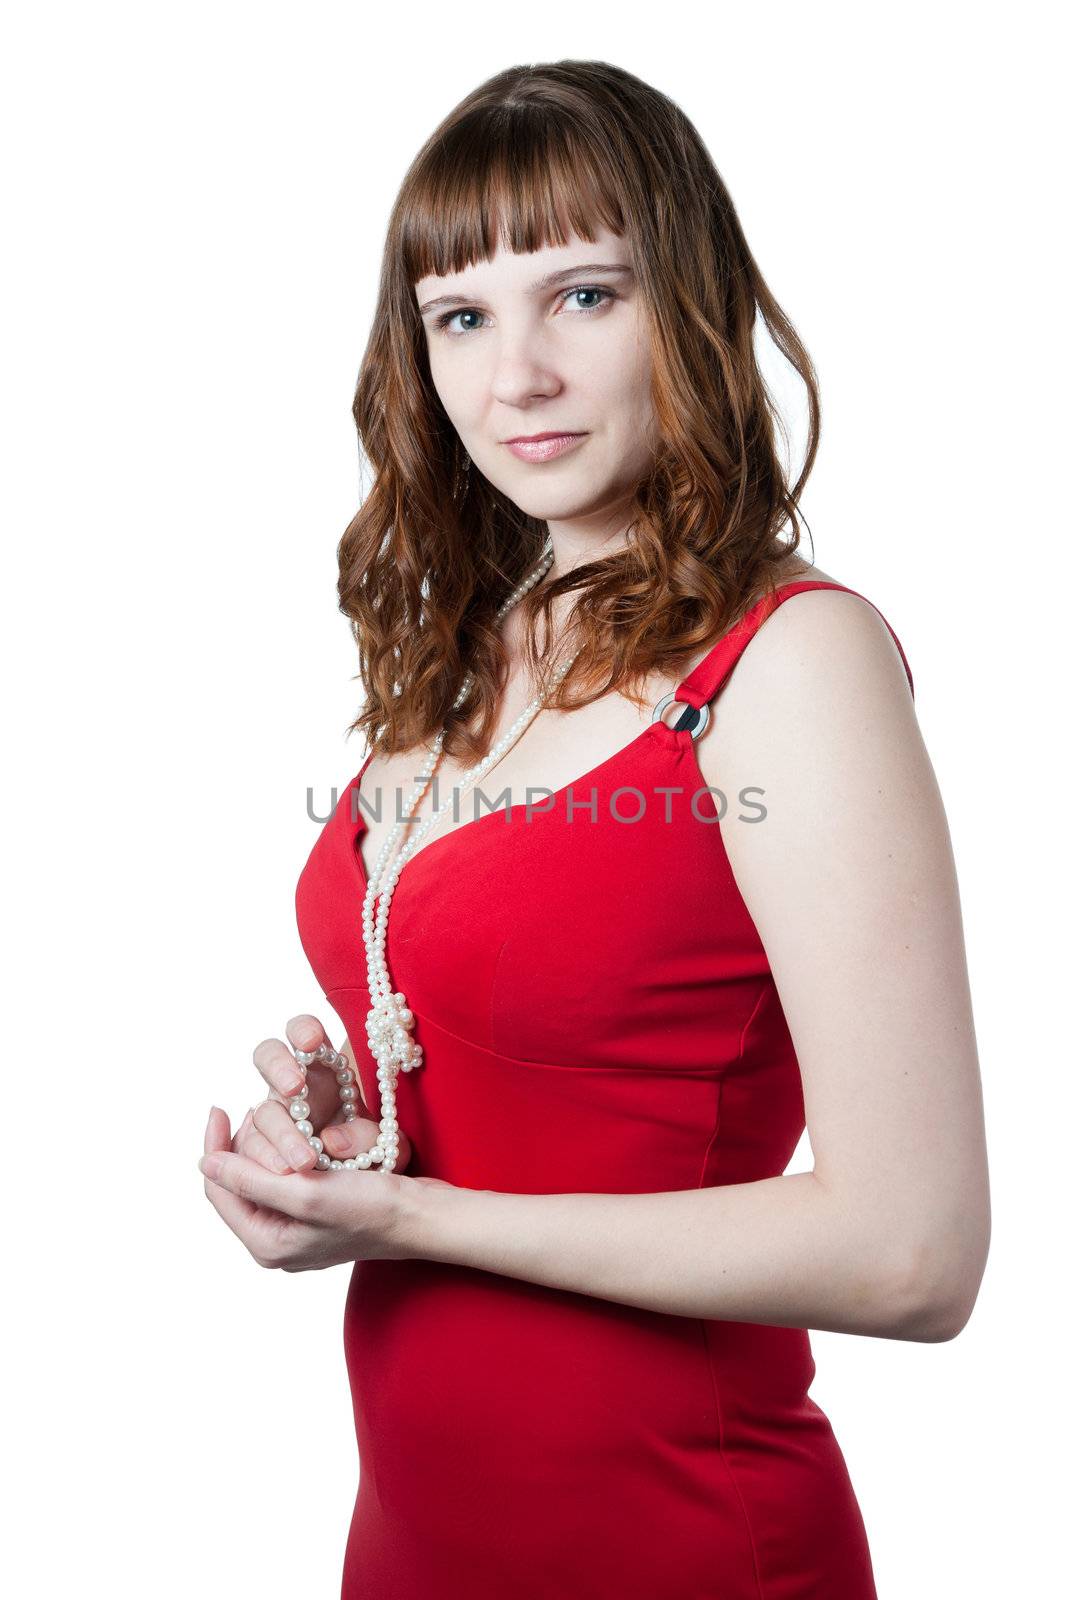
{"points": [[574, 545]]}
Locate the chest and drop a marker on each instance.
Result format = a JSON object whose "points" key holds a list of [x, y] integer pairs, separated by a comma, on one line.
{"points": [[555, 752], [601, 928]]}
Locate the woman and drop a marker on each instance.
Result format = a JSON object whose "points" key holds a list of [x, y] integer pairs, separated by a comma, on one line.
{"points": [[587, 1031]]}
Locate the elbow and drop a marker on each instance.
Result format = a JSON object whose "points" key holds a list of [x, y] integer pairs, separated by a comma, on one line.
{"points": [[932, 1317], [934, 1294]]}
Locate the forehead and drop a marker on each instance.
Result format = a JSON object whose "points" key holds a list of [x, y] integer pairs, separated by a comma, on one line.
{"points": [[526, 268]]}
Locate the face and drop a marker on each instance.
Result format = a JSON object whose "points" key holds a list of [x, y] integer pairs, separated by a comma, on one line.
{"points": [[549, 343]]}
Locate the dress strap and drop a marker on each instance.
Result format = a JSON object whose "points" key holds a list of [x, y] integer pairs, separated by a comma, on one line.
{"points": [[704, 680]]}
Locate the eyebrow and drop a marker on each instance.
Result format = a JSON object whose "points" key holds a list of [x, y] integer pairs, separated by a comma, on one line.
{"points": [[548, 282]]}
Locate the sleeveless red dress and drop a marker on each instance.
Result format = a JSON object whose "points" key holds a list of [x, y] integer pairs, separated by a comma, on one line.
{"points": [[597, 1014]]}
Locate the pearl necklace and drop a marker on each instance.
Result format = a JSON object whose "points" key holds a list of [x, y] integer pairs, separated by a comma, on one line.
{"points": [[390, 1020]]}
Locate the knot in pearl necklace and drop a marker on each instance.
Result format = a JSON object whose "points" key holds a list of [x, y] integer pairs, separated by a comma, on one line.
{"points": [[390, 1020]]}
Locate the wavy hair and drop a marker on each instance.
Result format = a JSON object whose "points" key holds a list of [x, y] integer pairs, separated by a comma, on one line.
{"points": [[533, 156]]}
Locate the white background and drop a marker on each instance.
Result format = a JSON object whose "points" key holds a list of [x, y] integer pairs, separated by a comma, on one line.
{"points": [[195, 199]]}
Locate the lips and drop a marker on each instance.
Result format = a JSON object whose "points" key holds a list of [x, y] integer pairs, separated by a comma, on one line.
{"points": [[546, 447]]}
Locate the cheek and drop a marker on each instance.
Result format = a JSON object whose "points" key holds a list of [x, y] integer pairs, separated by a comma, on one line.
{"points": [[457, 387], [642, 413], [633, 407], [622, 374]]}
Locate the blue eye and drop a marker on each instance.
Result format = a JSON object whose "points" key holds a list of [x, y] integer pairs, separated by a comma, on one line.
{"points": [[589, 288], [449, 316], [444, 321]]}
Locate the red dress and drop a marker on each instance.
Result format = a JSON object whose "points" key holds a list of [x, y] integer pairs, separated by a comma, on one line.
{"points": [[597, 1014]]}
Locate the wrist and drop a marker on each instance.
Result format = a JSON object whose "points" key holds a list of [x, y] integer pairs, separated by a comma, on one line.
{"points": [[420, 1210]]}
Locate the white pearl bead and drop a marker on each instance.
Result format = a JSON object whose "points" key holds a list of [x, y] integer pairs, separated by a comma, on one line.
{"points": [[390, 1020], [305, 1127], [351, 1163], [323, 1163], [337, 1166], [315, 1142]]}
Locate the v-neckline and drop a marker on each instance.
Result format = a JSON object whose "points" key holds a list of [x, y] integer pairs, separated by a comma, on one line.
{"points": [[671, 734], [359, 826]]}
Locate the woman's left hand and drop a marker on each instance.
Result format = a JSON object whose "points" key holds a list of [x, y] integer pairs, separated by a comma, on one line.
{"points": [[301, 1222]]}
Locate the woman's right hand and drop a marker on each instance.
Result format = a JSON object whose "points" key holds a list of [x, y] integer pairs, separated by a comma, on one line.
{"points": [[268, 1134]]}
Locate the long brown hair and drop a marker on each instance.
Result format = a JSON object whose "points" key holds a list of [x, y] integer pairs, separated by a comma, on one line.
{"points": [[531, 157]]}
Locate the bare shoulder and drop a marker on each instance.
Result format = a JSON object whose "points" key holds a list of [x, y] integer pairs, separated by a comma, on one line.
{"points": [[819, 645], [820, 691]]}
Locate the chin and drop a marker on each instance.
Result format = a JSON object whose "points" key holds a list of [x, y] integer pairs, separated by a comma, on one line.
{"points": [[552, 507]]}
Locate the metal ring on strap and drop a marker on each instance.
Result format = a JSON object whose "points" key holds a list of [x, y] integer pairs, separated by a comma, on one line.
{"points": [[702, 715]]}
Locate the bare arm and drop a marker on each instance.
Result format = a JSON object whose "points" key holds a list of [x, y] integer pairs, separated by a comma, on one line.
{"points": [[850, 880]]}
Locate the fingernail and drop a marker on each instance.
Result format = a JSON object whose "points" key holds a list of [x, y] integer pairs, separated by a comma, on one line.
{"points": [[292, 1083], [209, 1166], [297, 1152]]}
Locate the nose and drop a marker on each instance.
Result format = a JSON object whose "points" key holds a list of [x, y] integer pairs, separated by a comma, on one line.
{"points": [[524, 371]]}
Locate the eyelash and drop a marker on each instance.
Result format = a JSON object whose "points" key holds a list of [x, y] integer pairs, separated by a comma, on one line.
{"points": [[445, 317]]}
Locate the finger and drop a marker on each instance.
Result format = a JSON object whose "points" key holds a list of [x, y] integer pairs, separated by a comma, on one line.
{"points": [[274, 1121], [257, 1147], [345, 1139], [245, 1179], [342, 1139], [306, 1033], [237, 1142], [217, 1134], [323, 1079], [238, 1215], [279, 1067]]}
